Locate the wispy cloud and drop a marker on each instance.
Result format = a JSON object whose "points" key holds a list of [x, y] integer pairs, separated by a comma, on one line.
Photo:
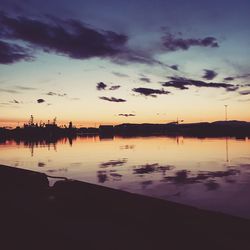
{"points": [[11, 91], [114, 87], [11, 53], [150, 92], [103, 86], [120, 74], [173, 43], [112, 99], [245, 92], [126, 115], [184, 83], [231, 78], [145, 79], [209, 74], [56, 94], [24, 87]]}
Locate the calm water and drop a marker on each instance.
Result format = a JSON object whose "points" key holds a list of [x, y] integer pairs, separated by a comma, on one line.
{"points": [[208, 173]]}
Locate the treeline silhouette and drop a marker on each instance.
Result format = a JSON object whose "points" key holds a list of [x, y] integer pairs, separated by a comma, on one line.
{"points": [[203, 129]]}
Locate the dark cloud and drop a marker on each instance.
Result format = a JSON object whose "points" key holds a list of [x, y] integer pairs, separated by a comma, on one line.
{"points": [[245, 92], [209, 74], [230, 78], [11, 53], [40, 100], [120, 74], [114, 87], [77, 40], [185, 83], [112, 99], [172, 43], [176, 82], [174, 67], [150, 92], [71, 38], [145, 79], [126, 115], [101, 86]]}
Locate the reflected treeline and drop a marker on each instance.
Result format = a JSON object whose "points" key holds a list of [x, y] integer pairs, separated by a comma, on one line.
{"points": [[32, 143], [37, 141]]}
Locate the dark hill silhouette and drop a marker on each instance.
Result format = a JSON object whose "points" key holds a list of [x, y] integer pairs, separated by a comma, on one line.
{"points": [[217, 128]]}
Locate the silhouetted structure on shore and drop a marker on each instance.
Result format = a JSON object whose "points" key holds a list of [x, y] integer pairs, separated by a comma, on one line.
{"points": [[34, 131]]}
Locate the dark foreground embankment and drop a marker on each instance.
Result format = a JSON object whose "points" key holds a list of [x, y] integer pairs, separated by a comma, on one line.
{"points": [[77, 215]]}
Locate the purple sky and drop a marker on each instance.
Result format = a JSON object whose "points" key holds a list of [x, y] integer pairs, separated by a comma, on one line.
{"points": [[89, 61]]}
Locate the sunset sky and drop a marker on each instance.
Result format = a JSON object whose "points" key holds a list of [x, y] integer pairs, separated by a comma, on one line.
{"points": [[108, 62]]}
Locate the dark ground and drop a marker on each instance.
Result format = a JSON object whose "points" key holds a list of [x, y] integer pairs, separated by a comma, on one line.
{"points": [[78, 215]]}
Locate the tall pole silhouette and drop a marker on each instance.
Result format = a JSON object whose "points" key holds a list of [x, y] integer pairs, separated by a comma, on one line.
{"points": [[227, 157], [226, 112]]}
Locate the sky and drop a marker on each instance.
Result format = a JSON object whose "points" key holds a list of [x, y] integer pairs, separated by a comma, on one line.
{"points": [[110, 62]]}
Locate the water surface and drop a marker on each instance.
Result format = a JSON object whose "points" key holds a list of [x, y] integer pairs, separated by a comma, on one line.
{"points": [[211, 173]]}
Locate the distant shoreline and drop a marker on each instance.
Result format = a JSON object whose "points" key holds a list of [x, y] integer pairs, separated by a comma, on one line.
{"points": [[239, 129]]}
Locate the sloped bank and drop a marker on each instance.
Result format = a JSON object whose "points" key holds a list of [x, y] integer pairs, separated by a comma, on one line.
{"points": [[78, 215]]}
